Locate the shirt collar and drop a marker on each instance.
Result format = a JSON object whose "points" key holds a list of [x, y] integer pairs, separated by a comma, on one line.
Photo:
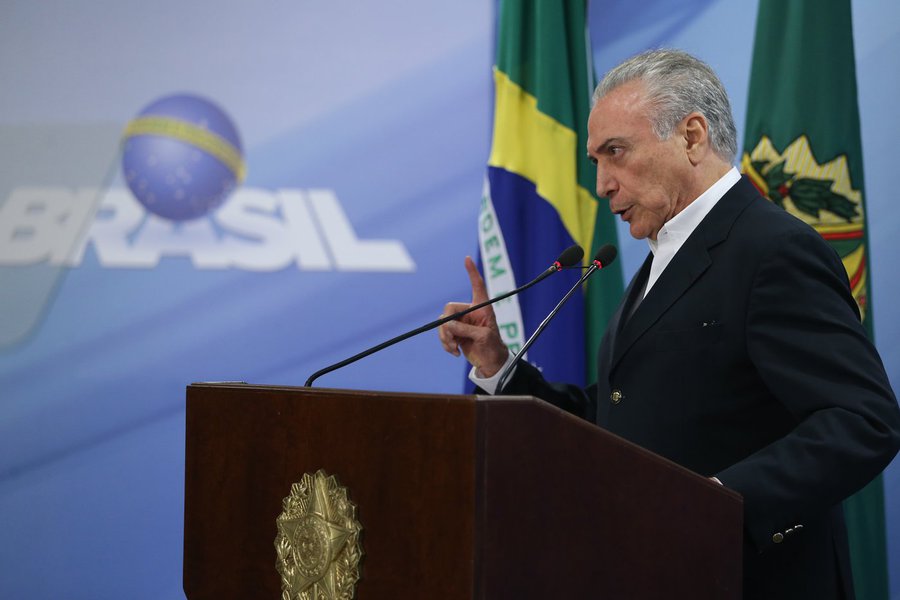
{"points": [[682, 225]]}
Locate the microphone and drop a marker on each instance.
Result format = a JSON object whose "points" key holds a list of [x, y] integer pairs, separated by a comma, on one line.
{"points": [[604, 257], [568, 258]]}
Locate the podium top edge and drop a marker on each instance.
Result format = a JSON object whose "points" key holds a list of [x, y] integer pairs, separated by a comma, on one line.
{"points": [[480, 398], [243, 385]]}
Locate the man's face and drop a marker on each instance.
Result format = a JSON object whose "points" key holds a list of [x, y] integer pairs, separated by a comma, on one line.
{"points": [[644, 178]]}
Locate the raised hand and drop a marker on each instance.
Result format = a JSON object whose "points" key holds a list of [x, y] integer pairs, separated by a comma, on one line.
{"points": [[476, 334]]}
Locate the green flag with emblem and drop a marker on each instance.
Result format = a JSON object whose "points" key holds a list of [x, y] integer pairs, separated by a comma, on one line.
{"points": [[802, 150]]}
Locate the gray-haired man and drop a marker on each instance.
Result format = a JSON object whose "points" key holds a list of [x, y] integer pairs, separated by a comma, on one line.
{"points": [[737, 350]]}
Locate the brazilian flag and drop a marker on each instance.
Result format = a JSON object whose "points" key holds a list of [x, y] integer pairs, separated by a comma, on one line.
{"points": [[539, 189], [802, 149]]}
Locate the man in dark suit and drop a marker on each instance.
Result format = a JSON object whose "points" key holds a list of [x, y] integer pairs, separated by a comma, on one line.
{"points": [[737, 350]]}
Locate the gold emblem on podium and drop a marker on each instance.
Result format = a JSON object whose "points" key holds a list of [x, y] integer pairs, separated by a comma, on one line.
{"points": [[318, 541]]}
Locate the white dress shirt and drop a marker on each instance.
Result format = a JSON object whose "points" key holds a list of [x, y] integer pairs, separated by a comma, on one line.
{"points": [[667, 243], [680, 227]]}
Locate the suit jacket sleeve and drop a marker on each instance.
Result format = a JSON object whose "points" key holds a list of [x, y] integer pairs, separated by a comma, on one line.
{"points": [[809, 348], [528, 381]]}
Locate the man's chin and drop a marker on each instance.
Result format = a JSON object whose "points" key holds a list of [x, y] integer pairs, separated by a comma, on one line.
{"points": [[639, 233]]}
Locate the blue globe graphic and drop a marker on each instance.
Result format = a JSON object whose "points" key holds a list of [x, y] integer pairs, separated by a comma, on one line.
{"points": [[182, 157]]}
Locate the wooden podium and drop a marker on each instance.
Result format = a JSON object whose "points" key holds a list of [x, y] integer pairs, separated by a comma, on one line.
{"points": [[458, 497]]}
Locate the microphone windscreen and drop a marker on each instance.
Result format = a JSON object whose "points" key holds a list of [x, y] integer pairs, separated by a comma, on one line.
{"points": [[606, 255], [571, 256]]}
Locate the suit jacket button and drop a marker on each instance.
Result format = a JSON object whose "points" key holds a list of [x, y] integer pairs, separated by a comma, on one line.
{"points": [[778, 538], [616, 396]]}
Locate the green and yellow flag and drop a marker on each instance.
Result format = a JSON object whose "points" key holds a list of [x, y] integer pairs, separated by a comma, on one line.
{"points": [[802, 149], [539, 189]]}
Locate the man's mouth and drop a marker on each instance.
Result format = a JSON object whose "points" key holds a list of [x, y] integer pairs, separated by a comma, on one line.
{"points": [[624, 213]]}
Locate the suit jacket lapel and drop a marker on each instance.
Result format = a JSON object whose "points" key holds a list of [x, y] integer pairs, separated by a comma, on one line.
{"points": [[688, 264], [619, 317], [633, 294]]}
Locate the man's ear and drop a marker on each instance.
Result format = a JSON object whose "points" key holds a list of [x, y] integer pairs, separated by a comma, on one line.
{"points": [[696, 137]]}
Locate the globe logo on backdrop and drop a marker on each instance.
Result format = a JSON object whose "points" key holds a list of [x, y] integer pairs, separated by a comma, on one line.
{"points": [[182, 157]]}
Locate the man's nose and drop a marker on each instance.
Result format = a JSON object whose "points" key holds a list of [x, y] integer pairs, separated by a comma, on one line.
{"points": [[606, 184]]}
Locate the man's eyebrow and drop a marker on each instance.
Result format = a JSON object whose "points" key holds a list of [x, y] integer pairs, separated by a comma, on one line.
{"points": [[600, 148]]}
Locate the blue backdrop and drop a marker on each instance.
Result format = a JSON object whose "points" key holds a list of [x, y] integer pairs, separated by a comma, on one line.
{"points": [[364, 131]]}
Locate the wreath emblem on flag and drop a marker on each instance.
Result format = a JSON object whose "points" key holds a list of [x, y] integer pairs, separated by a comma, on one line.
{"points": [[822, 195]]}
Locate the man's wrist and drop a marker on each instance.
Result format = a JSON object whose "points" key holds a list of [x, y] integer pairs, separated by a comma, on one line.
{"points": [[489, 384]]}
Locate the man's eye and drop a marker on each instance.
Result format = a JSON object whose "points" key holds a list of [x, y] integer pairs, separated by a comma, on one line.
{"points": [[614, 150], [593, 160]]}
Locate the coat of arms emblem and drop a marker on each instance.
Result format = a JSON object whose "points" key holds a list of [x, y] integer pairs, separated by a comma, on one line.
{"points": [[318, 541]]}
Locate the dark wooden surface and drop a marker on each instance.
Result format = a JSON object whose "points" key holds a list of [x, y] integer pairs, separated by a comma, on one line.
{"points": [[571, 511], [459, 497], [406, 460]]}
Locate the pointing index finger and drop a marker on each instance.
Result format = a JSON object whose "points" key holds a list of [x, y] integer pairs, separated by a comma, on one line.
{"points": [[479, 290]]}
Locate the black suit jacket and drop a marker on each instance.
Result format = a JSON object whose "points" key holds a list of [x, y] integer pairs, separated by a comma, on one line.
{"points": [[747, 361]]}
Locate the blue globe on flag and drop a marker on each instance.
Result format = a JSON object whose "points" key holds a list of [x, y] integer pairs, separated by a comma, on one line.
{"points": [[182, 157]]}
